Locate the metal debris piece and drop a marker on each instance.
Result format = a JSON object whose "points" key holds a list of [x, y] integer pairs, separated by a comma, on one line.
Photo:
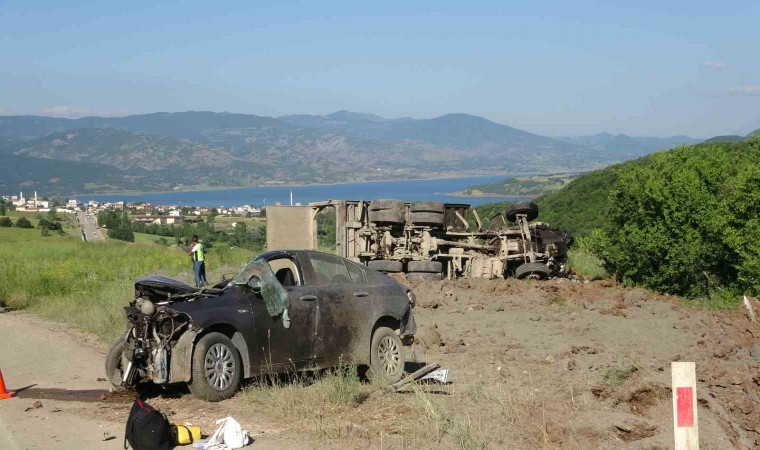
{"points": [[414, 377], [439, 375]]}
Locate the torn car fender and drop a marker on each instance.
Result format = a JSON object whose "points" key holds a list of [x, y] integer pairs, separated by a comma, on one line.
{"points": [[181, 359]]}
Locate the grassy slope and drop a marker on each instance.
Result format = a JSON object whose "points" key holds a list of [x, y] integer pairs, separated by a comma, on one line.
{"points": [[87, 284]]}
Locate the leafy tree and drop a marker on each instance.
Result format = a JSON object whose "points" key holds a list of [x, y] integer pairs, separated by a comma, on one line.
{"points": [[50, 225], [2, 207], [6, 222], [688, 222], [23, 222], [123, 230]]}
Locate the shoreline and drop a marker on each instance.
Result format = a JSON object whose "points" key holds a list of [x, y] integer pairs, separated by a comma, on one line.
{"points": [[286, 185]]}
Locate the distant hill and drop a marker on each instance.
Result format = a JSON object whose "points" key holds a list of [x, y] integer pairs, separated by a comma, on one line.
{"points": [[726, 138], [629, 147], [202, 149]]}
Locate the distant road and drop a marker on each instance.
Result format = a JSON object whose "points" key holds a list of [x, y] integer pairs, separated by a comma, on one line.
{"points": [[90, 227]]}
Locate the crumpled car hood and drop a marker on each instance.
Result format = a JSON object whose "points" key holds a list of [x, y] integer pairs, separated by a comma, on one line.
{"points": [[158, 287]]}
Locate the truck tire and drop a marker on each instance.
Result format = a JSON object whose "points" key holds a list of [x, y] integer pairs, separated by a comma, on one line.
{"points": [[425, 266], [530, 209], [393, 216], [386, 357], [386, 265], [384, 203], [437, 207], [114, 369], [216, 369], [424, 276], [426, 218], [537, 271]]}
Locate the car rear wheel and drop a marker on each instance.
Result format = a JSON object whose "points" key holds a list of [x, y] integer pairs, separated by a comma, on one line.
{"points": [[386, 356], [216, 369], [114, 366]]}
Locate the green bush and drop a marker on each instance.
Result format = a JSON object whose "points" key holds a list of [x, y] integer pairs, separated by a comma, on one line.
{"points": [[23, 222], [6, 222], [688, 222]]}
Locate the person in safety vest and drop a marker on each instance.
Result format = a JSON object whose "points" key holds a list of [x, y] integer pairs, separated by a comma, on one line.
{"points": [[199, 260]]}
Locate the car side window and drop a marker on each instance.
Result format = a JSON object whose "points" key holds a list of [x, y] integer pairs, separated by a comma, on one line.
{"points": [[356, 272], [329, 269]]}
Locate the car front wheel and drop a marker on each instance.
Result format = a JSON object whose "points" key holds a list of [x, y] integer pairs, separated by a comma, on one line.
{"points": [[386, 356], [114, 369], [217, 368]]}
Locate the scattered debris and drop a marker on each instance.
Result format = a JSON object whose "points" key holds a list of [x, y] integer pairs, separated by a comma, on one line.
{"points": [[414, 376], [750, 309]]}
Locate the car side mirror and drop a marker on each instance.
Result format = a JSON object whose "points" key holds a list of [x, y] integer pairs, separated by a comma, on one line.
{"points": [[255, 284]]}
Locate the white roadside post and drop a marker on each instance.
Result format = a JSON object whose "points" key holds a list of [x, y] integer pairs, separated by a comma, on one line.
{"points": [[685, 424]]}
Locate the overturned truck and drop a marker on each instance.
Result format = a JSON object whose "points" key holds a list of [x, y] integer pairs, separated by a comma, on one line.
{"points": [[425, 240]]}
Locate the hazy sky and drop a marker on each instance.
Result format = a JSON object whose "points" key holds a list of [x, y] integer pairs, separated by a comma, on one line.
{"points": [[552, 67]]}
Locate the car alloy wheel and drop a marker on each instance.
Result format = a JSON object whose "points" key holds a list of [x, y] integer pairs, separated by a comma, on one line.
{"points": [[220, 367], [389, 356]]}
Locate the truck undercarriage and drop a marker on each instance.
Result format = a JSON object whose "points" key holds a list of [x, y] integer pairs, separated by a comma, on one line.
{"points": [[427, 240]]}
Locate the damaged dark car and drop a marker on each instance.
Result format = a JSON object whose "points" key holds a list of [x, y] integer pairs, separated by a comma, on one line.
{"points": [[286, 311]]}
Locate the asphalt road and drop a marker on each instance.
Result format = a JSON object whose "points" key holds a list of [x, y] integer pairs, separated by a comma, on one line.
{"points": [[90, 226]]}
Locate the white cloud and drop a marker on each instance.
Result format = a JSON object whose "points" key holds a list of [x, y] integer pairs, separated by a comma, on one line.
{"points": [[715, 65], [64, 111], [750, 89]]}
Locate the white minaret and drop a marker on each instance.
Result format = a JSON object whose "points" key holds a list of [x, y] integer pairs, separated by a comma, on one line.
{"points": [[291, 198], [35, 198]]}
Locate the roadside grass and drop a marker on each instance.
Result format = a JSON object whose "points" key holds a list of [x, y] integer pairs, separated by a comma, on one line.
{"points": [[483, 412], [586, 264], [59, 277], [155, 239]]}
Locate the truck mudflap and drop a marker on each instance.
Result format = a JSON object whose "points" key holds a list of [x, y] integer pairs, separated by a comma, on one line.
{"points": [[181, 359]]}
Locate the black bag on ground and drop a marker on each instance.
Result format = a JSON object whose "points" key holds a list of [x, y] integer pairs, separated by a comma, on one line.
{"points": [[147, 429]]}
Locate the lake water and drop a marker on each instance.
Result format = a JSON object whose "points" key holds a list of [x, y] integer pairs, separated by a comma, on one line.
{"points": [[407, 190]]}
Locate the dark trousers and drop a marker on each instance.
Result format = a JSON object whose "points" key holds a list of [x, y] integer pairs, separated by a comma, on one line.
{"points": [[199, 269]]}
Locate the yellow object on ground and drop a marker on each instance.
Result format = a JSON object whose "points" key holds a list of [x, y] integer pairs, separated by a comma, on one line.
{"points": [[187, 434]]}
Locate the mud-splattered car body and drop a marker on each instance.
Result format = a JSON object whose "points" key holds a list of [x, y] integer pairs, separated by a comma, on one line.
{"points": [[332, 312]]}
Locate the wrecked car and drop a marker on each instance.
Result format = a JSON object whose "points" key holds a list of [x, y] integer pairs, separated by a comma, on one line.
{"points": [[286, 311]]}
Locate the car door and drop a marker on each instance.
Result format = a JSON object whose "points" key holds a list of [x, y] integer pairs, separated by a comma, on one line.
{"points": [[343, 307], [279, 348]]}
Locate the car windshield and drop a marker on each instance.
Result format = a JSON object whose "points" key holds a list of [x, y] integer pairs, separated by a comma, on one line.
{"points": [[274, 295]]}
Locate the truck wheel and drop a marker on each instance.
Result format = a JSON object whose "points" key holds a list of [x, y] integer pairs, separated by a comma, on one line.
{"points": [[216, 369], [114, 369], [536, 271], [425, 266], [386, 358], [437, 207], [530, 209], [424, 276], [394, 216], [386, 265], [426, 218], [383, 204]]}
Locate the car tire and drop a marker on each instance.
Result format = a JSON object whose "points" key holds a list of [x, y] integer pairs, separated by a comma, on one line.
{"points": [[215, 352], [530, 209], [386, 265], [114, 369], [426, 218], [425, 266], [537, 271], [386, 359], [424, 276], [436, 207], [392, 216]]}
